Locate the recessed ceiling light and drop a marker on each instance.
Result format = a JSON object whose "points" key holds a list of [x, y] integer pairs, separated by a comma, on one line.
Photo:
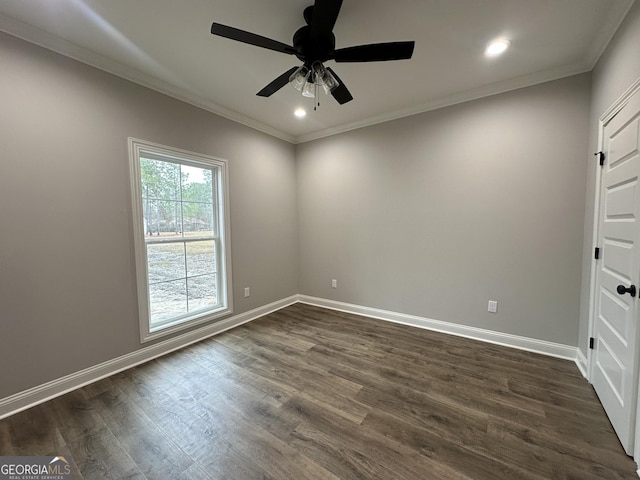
{"points": [[300, 113], [497, 47]]}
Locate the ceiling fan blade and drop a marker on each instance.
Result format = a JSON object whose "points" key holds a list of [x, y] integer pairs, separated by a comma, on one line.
{"points": [[324, 16], [277, 84], [341, 93], [375, 52], [250, 38]]}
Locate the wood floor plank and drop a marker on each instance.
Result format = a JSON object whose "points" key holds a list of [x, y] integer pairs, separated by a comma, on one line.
{"points": [[99, 454], [577, 452], [152, 450], [310, 393], [205, 444], [303, 377], [275, 456], [32, 432], [458, 456], [482, 397], [365, 452], [272, 392]]}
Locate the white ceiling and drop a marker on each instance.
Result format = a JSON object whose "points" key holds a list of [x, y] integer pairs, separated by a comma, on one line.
{"points": [[167, 45]]}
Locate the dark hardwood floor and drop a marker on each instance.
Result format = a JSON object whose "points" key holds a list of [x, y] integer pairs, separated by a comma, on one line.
{"points": [[308, 393]]}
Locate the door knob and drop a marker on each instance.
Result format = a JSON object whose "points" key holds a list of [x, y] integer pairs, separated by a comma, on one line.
{"points": [[631, 290]]}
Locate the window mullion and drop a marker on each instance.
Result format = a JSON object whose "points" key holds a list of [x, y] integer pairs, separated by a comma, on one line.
{"points": [[184, 244], [215, 202], [179, 240], [186, 276]]}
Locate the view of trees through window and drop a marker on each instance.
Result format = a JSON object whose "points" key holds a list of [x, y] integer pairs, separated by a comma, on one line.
{"points": [[178, 203]]}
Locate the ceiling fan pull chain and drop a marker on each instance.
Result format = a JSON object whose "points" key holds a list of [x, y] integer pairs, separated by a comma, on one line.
{"points": [[316, 98]]}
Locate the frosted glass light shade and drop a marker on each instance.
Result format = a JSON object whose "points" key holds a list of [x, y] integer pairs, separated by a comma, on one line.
{"points": [[309, 90], [323, 78], [330, 82], [299, 77]]}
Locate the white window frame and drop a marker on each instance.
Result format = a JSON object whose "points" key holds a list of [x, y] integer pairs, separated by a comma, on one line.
{"points": [[144, 149]]}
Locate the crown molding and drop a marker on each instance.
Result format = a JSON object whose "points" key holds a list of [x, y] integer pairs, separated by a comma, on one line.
{"points": [[56, 44], [469, 95], [602, 39], [604, 36]]}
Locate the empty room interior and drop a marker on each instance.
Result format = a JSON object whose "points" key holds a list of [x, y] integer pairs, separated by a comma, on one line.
{"points": [[429, 271]]}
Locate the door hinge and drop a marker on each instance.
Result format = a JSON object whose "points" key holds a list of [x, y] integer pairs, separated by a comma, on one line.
{"points": [[592, 342], [596, 254], [601, 156]]}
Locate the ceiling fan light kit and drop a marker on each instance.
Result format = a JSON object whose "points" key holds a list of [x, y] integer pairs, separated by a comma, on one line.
{"points": [[305, 80], [314, 44]]}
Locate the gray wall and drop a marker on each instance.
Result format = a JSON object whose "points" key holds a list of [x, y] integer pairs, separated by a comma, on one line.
{"points": [[616, 71], [430, 215], [435, 214], [67, 296]]}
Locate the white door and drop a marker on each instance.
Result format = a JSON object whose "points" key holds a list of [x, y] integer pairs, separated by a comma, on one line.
{"points": [[614, 364]]}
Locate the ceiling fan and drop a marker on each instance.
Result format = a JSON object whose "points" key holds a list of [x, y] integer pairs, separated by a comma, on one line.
{"points": [[315, 44]]}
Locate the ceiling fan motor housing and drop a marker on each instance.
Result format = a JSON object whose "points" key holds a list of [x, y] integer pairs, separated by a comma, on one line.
{"points": [[309, 50]]}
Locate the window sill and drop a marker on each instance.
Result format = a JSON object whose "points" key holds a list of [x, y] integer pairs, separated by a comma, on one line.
{"points": [[183, 324]]}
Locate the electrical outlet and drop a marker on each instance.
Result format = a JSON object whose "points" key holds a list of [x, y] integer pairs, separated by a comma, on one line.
{"points": [[334, 283], [247, 292], [493, 306]]}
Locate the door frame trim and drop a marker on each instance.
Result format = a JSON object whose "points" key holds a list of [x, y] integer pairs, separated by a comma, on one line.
{"points": [[603, 121]]}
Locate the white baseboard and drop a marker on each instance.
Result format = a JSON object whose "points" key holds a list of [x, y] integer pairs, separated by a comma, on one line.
{"points": [[36, 395], [582, 362], [41, 393], [507, 340]]}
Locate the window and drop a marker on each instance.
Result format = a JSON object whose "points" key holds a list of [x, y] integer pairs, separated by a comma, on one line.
{"points": [[180, 214]]}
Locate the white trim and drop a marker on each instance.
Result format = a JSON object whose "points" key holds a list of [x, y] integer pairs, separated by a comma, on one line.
{"points": [[604, 119], [543, 347], [56, 44], [604, 35], [41, 393], [582, 363], [594, 263], [636, 441], [620, 103], [458, 98], [47, 391], [59, 45], [219, 167]]}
